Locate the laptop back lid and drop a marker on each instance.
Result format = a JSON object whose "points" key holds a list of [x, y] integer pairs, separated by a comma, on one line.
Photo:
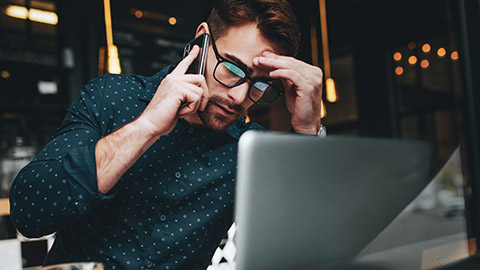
{"points": [[304, 202]]}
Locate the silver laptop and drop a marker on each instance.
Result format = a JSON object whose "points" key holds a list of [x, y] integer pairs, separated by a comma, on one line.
{"points": [[304, 202]]}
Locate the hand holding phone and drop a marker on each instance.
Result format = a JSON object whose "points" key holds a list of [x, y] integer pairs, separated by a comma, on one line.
{"points": [[177, 88], [198, 66]]}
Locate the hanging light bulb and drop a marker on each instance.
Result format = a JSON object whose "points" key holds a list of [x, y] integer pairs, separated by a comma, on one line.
{"points": [[314, 46], [397, 56], [33, 14], [426, 48], [323, 111], [454, 55], [18, 12], [113, 61], [331, 89]]}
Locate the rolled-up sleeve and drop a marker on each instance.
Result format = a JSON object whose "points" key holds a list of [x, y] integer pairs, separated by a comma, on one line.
{"points": [[60, 184]]}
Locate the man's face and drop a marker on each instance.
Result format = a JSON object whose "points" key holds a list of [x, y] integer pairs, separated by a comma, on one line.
{"points": [[226, 105]]}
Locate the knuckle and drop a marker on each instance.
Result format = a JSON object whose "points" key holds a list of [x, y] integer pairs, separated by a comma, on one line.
{"points": [[168, 79], [317, 75], [292, 62], [318, 72], [198, 93]]}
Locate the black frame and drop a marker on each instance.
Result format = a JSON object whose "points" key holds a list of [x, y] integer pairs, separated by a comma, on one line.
{"points": [[469, 37], [247, 77]]}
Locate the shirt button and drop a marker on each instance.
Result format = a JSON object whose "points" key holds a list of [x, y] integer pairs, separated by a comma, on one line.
{"points": [[149, 264], [163, 218], [190, 130], [178, 175]]}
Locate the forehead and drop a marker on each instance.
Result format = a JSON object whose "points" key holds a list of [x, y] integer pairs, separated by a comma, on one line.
{"points": [[244, 42]]}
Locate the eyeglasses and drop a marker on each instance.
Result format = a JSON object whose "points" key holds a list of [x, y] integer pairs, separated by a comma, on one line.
{"points": [[229, 74]]}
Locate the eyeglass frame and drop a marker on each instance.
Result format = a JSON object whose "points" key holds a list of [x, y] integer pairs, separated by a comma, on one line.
{"points": [[220, 59]]}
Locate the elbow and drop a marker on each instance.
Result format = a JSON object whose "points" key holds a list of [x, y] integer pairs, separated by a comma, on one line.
{"points": [[27, 226], [27, 219], [29, 233], [23, 226]]}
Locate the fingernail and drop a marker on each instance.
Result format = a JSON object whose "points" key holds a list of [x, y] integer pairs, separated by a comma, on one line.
{"points": [[255, 61]]}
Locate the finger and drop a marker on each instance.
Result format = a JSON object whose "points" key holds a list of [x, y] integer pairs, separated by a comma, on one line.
{"points": [[192, 98], [182, 67], [185, 111], [275, 61], [299, 77], [202, 88], [291, 77], [269, 60], [189, 109], [205, 95], [195, 79]]}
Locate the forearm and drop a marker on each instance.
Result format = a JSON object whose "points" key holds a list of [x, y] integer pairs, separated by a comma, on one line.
{"points": [[117, 152]]}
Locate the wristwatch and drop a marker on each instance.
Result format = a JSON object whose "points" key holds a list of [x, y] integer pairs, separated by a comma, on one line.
{"points": [[322, 132]]}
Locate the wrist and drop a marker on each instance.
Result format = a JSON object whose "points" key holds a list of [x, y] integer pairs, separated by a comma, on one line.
{"points": [[143, 127], [305, 131], [312, 129], [321, 131]]}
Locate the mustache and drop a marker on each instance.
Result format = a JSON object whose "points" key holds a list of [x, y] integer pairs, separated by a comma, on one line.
{"points": [[239, 109]]}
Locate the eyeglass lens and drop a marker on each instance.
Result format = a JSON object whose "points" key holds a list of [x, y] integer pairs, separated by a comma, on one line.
{"points": [[231, 75]]}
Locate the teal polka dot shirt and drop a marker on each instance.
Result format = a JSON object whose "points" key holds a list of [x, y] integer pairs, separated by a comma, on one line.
{"points": [[170, 210]]}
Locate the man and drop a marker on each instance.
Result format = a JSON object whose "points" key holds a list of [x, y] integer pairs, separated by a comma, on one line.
{"points": [[140, 174]]}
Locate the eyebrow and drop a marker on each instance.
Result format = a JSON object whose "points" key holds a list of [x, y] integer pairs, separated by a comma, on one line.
{"points": [[239, 62], [245, 67]]}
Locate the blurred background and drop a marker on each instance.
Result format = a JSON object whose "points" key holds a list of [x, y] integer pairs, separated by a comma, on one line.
{"points": [[395, 64], [399, 68]]}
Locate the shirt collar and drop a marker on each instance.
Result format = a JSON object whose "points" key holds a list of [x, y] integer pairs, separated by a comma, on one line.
{"points": [[238, 128], [152, 83]]}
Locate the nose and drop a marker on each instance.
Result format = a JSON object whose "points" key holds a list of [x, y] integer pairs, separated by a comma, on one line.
{"points": [[238, 94]]}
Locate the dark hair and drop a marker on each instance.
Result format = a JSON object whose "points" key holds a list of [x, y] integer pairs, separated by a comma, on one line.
{"points": [[274, 18]]}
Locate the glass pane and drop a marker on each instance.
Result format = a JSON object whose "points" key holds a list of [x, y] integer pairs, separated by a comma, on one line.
{"points": [[426, 92], [345, 108], [431, 231], [398, 69]]}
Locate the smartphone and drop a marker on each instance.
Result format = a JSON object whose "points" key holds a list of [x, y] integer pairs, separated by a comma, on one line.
{"points": [[198, 66]]}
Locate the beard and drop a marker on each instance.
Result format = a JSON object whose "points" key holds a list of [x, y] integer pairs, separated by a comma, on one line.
{"points": [[215, 121]]}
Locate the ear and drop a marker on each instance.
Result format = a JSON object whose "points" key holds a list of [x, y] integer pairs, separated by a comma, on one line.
{"points": [[202, 28]]}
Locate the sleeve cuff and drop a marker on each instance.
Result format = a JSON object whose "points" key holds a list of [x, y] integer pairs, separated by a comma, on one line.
{"points": [[80, 167]]}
